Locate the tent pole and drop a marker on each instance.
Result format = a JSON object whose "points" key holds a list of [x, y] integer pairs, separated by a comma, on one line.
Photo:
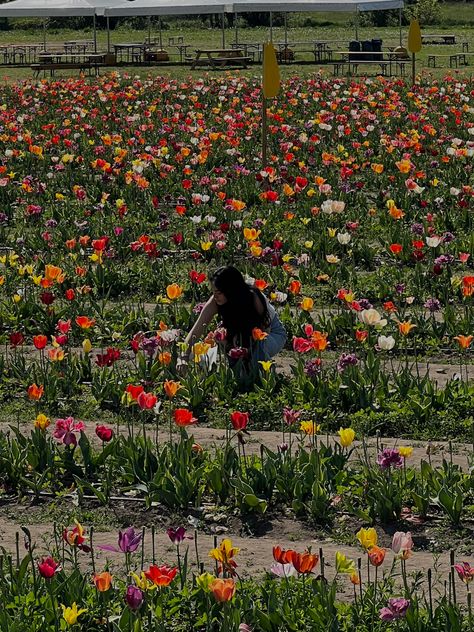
{"points": [[236, 29], [400, 23], [95, 35], [223, 29], [357, 24], [286, 30], [108, 34], [271, 26], [44, 33], [161, 34], [149, 29]]}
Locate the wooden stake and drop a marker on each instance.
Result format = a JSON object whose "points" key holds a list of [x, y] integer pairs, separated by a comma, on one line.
{"points": [[264, 132]]}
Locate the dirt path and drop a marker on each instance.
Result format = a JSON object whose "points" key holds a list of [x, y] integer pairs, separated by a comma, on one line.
{"points": [[255, 556]]}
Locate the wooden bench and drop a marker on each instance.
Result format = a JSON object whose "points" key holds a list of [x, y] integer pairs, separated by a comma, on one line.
{"points": [[52, 67], [462, 58], [218, 58], [453, 60], [353, 66]]}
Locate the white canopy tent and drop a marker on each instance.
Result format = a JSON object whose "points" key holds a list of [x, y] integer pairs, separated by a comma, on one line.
{"points": [[57, 8], [188, 7]]}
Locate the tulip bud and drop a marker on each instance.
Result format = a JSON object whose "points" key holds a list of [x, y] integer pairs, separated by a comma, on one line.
{"points": [[133, 597], [86, 345]]}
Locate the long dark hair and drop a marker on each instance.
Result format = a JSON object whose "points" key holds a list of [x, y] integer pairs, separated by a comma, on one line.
{"points": [[239, 315]]}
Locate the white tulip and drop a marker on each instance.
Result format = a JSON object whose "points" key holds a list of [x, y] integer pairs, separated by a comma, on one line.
{"points": [[386, 343], [343, 238]]}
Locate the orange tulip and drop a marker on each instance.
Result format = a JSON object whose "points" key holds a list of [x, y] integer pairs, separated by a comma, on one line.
{"points": [[85, 322], [320, 340], [468, 286], [260, 284], [376, 555], [303, 562], [222, 589], [35, 392], [102, 581], [51, 273], [258, 334], [464, 341], [282, 556], [164, 358], [294, 287], [405, 327], [174, 291], [171, 388]]}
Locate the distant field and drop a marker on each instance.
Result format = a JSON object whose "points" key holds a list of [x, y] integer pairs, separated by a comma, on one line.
{"points": [[456, 18]]}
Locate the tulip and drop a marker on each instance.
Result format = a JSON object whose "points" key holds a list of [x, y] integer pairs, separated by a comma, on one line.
{"points": [[405, 327], [309, 427], [76, 537], [174, 291], [133, 597], [178, 535], [405, 451], [102, 581], [376, 555], [161, 575], [86, 345], [146, 401], [42, 422], [224, 554], [396, 609], [347, 436], [294, 287], [71, 614], [283, 570], [367, 538], [40, 341], [386, 343], [304, 563], [239, 420], [389, 457], [48, 568], [307, 304], [223, 589], [343, 565], [84, 322], [465, 572], [104, 433], [258, 334], [133, 391], [464, 341], [171, 388], [184, 417], [65, 429], [372, 318], [281, 556], [402, 544], [35, 392]]}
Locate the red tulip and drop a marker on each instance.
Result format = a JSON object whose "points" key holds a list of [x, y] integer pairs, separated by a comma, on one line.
{"points": [[40, 341], [146, 401], [104, 433], [239, 420], [184, 417], [48, 568]]}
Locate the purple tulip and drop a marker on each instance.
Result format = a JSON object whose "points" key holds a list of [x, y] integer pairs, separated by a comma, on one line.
{"points": [[133, 597], [389, 457], [396, 609], [128, 542], [177, 535]]}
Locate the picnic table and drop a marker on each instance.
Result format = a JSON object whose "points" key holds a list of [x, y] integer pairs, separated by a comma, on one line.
{"points": [[217, 57], [131, 52], [438, 38], [385, 59], [19, 53], [78, 46], [52, 61]]}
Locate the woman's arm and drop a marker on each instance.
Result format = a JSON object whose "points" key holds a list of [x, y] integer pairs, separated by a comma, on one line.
{"points": [[200, 326]]}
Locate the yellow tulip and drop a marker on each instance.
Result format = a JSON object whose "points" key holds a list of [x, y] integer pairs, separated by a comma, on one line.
{"points": [[405, 451], [307, 304], [86, 345], [174, 291], [367, 538], [266, 365], [204, 581], [42, 422], [347, 436], [71, 614], [309, 427], [206, 245]]}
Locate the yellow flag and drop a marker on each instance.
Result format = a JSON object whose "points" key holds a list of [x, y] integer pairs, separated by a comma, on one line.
{"points": [[271, 72], [414, 37]]}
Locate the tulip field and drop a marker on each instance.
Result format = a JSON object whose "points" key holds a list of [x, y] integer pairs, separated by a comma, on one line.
{"points": [[332, 487]]}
